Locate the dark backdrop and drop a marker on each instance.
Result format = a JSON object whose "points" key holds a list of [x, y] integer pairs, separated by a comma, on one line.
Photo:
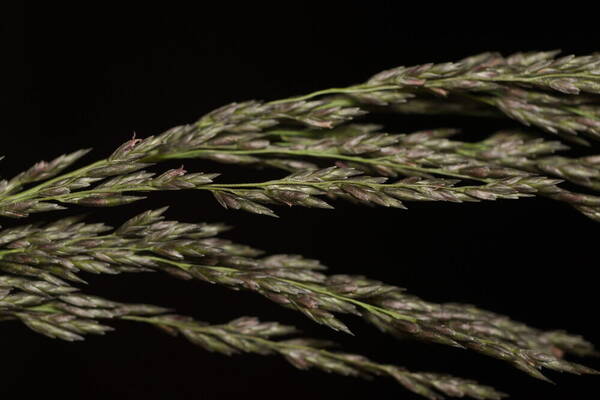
{"points": [[91, 76]]}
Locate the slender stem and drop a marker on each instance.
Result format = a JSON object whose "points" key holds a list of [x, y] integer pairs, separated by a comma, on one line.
{"points": [[5, 252], [583, 113], [366, 306], [276, 345], [112, 189], [507, 78], [314, 288], [45, 308], [230, 187], [309, 153], [35, 189], [365, 88]]}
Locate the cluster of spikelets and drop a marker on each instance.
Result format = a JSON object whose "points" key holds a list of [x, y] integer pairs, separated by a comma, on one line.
{"points": [[328, 155]]}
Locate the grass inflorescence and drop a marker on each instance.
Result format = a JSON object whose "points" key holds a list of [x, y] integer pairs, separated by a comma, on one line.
{"points": [[328, 154]]}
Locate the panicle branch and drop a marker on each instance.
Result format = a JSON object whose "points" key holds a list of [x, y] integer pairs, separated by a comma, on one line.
{"points": [[40, 260]]}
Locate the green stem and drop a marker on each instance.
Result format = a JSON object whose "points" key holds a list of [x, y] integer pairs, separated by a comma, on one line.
{"points": [[110, 190], [364, 88], [35, 189], [507, 78], [583, 113], [5, 252], [45, 308], [366, 306], [275, 345], [317, 154], [230, 187], [314, 288]]}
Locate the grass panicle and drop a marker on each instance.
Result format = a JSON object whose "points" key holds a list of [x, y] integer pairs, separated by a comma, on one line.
{"points": [[327, 152]]}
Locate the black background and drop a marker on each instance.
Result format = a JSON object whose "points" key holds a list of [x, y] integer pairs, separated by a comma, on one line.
{"points": [[91, 76]]}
